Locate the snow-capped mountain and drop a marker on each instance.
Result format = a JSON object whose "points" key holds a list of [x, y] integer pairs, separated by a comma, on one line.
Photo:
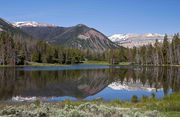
{"points": [[131, 40], [6, 26], [32, 24]]}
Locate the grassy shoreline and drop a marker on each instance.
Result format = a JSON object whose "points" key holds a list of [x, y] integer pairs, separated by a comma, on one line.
{"points": [[71, 110], [88, 62], [169, 106], [34, 64]]}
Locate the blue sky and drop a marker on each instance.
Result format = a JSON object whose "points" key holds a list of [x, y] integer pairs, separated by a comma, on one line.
{"points": [[108, 16]]}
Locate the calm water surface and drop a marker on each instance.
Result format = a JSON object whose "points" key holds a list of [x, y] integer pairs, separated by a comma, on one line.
{"points": [[86, 82]]}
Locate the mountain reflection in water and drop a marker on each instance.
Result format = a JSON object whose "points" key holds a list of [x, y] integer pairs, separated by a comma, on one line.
{"points": [[108, 83]]}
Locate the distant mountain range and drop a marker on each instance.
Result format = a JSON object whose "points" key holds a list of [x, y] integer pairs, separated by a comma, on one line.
{"points": [[131, 40], [79, 36]]}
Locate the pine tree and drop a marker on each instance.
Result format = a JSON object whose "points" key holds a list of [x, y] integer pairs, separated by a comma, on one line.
{"points": [[165, 49]]}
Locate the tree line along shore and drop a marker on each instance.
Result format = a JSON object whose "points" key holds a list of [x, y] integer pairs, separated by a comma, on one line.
{"points": [[15, 50]]}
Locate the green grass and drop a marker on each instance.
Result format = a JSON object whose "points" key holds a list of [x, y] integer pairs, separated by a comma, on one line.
{"points": [[7, 66], [124, 63], [56, 64], [96, 62], [163, 65], [169, 105], [69, 109], [104, 62], [88, 62], [172, 114], [34, 64], [43, 64]]}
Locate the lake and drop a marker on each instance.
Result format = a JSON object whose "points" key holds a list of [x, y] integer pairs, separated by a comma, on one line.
{"points": [[86, 82]]}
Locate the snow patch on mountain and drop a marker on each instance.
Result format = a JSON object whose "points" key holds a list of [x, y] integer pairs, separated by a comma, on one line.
{"points": [[118, 37], [32, 24], [131, 40], [1, 29], [153, 35], [83, 37]]}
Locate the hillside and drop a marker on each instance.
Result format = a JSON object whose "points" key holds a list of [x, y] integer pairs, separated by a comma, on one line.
{"points": [[79, 36]]}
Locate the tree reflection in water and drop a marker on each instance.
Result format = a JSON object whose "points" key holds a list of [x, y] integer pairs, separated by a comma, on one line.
{"points": [[83, 83]]}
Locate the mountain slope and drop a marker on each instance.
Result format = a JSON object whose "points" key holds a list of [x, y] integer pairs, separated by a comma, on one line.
{"points": [[11, 29], [79, 36]]}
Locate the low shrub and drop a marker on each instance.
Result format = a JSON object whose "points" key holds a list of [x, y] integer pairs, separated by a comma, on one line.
{"points": [[134, 99]]}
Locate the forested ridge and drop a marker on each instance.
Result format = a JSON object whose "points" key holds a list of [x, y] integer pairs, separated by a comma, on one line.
{"points": [[15, 50], [166, 53]]}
